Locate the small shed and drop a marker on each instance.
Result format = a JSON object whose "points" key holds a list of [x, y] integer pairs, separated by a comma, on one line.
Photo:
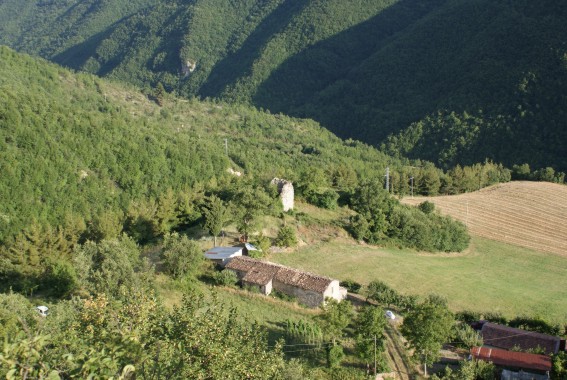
{"points": [[247, 248], [222, 255]]}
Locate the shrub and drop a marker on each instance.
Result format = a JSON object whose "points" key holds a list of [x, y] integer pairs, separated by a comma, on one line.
{"points": [[181, 256], [382, 293], [325, 199], [427, 207], [535, 324], [286, 237], [283, 296], [225, 278], [495, 317], [466, 336], [334, 356], [352, 286], [263, 243], [468, 316], [61, 278]]}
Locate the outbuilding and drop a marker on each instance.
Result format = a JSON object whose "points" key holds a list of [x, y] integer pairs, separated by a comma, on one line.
{"points": [[222, 255]]}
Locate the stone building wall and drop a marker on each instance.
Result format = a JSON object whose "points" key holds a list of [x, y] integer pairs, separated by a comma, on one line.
{"points": [[306, 297], [287, 193]]}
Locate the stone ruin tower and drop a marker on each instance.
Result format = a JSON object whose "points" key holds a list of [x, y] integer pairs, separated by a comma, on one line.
{"points": [[285, 188]]}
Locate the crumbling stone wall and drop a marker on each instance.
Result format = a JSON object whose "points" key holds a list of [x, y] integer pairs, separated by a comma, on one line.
{"points": [[287, 195], [188, 67]]}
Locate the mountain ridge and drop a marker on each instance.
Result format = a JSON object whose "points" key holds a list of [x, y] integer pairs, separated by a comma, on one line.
{"points": [[381, 72]]}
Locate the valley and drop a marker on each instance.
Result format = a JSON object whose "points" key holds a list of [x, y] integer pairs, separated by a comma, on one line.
{"points": [[413, 151]]}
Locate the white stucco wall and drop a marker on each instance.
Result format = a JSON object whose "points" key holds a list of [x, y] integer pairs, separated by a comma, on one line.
{"points": [[334, 291]]}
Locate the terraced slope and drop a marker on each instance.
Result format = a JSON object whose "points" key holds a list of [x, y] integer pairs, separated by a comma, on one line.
{"points": [[527, 214]]}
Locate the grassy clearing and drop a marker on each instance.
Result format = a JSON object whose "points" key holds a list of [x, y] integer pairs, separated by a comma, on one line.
{"points": [[490, 276]]}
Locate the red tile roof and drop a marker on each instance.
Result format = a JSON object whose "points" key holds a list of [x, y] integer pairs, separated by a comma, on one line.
{"points": [[508, 337], [512, 359]]}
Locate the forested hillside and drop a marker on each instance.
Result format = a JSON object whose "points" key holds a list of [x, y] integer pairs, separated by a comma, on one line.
{"points": [[86, 159], [78, 146], [447, 81]]}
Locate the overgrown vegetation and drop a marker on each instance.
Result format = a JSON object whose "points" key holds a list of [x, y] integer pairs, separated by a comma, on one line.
{"points": [[380, 217]]}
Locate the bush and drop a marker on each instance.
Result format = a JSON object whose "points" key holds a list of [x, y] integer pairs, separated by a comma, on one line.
{"points": [[466, 336], [325, 199], [352, 286], [535, 324], [263, 243], [468, 316], [427, 207], [334, 356], [225, 278], [382, 293], [61, 278], [495, 317], [283, 296], [181, 256], [286, 237]]}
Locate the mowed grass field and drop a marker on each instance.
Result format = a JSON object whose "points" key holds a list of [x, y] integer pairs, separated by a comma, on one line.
{"points": [[527, 214], [489, 276]]}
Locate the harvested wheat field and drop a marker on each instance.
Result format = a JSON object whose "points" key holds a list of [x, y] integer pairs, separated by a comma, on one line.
{"points": [[527, 214]]}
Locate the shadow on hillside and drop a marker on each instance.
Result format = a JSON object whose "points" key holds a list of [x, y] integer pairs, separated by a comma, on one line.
{"points": [[77, 56], [323, 70], [415, 58], [237, 64]]}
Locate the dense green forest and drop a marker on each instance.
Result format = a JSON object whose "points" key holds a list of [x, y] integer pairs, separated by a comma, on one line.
{"points": [[453, 82]]}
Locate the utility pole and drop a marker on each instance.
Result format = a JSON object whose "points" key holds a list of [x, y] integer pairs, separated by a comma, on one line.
{"points": [[387, 179], [411, 180]]}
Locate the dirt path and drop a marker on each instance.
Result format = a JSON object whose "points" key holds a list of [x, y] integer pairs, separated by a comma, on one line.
{"points": [[396, 353]]}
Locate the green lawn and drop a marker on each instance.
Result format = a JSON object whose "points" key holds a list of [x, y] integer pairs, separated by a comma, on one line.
{"points": [[490, 276]]}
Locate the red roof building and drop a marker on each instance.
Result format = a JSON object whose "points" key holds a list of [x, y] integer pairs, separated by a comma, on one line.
{"points": [[512, 359]]}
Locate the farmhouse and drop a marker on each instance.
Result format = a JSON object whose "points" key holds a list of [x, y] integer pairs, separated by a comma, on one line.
{"points": [[222, 255], [508, 338], [537, 366], [310, 289]]}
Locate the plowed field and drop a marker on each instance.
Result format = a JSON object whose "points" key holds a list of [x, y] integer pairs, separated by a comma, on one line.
{"points": [[527, 214]]}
